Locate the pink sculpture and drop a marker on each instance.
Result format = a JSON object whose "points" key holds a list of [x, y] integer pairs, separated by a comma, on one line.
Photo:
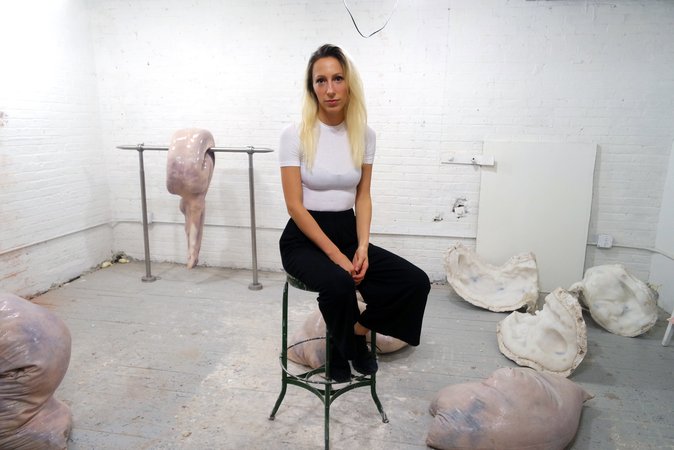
{"points": [[34, 357], [189, 169], [308, 349], [514, 409]]}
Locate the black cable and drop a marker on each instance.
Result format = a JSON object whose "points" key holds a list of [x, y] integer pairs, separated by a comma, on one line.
{"points": [[374, 32]]}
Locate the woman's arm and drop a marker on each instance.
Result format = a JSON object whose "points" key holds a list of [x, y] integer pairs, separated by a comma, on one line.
{"points": [[291, 181], [363, 221]]}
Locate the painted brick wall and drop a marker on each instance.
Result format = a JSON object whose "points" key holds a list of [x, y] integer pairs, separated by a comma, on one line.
{"points": [[442, 78], [54, 194]]}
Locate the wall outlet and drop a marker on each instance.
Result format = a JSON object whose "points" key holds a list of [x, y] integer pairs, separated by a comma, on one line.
{"points": [[604, 241]]}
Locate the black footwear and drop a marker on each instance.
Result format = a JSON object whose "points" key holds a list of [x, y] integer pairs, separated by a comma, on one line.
{"points": [[340, 371], [364, 362]]}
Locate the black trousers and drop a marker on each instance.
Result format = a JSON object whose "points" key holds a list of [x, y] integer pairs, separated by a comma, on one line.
{"points": [[394, 289]]}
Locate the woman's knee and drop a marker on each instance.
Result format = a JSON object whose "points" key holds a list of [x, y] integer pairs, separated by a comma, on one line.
{"points": [[420, 280], [337, 286]]}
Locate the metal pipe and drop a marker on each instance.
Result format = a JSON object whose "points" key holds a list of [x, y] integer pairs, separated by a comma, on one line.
{"points": [[254, 286], [251, 149], [53, 238], [146, 239]]}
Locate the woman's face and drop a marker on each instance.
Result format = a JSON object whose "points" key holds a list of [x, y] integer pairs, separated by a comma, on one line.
{"points": [[332, 91]]}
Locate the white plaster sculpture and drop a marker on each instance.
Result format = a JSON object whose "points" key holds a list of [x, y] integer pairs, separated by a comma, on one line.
{"points": [[312, 352], [552, 340], [189, 169], [505, 288], [34, 356], [618, 301], [514, 409]]}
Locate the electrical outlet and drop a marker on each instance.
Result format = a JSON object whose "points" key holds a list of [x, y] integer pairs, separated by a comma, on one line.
{"points": [[604, 241]]}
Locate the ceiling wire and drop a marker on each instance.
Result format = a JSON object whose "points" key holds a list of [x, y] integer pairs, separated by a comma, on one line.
{"points": [[374, 32]]}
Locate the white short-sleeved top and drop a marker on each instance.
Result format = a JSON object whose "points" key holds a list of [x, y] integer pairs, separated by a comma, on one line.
{"points": [[331, 183]]}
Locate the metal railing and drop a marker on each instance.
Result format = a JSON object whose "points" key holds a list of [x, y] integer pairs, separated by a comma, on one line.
{"points": [[140, 148]]}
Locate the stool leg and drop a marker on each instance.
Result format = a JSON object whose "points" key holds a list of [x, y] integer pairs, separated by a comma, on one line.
{"points": [[326, 424], [373, 381], [328, 354], [284, 352], [327, 395]]}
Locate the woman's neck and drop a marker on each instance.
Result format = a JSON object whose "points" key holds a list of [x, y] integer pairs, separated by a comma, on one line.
{"points": [[330, 119]]}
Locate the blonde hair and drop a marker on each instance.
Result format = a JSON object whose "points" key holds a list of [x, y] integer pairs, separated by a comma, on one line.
{"points": [[355, 111]]}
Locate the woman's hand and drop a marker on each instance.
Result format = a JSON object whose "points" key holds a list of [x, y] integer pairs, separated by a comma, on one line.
{"points": [[360, 264], [342, 261]]}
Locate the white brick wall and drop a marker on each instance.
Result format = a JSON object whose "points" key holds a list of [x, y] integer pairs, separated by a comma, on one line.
{"points": [[443, 77], [52, 169]]}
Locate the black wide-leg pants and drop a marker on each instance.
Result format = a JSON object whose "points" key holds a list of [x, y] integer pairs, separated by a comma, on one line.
{"points": [[394, 289]]}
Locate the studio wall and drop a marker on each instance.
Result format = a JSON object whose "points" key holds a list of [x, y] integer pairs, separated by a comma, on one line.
{"points": [[54, 192], [441, 79]]}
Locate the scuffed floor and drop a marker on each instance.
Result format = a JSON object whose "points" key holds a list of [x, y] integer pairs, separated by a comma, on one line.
{"points": [[190, 361]]}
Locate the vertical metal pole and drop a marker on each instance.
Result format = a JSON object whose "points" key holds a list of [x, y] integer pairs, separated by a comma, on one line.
{"points": [[254, 286], [148, 275]]}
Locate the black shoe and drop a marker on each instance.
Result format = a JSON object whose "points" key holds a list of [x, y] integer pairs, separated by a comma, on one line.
{"points": [[340, 371], [364, 362]]}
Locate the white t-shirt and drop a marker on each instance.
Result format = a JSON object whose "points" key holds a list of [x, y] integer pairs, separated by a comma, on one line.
{"points": [[331, 183]]}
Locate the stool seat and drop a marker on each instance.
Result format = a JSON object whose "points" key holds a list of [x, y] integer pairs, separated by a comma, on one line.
{"points": [[322, 387], [296, 283]]}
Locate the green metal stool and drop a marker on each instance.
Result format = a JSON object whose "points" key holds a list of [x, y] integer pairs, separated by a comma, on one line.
{"points": [[322, 387]]}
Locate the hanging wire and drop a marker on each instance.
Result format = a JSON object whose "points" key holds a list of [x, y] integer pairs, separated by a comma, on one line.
{"points": [[374, 32]]}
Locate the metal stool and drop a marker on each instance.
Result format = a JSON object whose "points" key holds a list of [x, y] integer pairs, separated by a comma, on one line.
{"points": [[322, 387]]}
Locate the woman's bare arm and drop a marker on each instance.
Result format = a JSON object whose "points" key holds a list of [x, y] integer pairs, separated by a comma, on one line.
{"points": [[363, 221]]}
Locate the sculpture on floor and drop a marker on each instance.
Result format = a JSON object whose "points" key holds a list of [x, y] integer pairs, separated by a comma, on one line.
{"points": [[189, 170], [307, 350], [514, 409], [552, 340], [505, 288], [34, 357], [618, 301]]}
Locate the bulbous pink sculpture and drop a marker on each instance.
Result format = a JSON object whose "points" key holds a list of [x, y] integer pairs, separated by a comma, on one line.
{"points": [[189, 170], [514, 409], [34, 358]]}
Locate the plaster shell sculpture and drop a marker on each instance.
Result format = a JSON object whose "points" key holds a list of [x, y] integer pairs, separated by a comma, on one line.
{"points": [[305, 349], [34, 357], [552, 340], [189, 169], [618, 301], [505, 288], [515, 408]]}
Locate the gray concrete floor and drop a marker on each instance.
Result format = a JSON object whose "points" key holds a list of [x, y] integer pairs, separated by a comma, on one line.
{"points": [[190, 361]]}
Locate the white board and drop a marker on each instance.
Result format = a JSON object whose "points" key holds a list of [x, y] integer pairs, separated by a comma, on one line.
{"points": [[537, 197]]}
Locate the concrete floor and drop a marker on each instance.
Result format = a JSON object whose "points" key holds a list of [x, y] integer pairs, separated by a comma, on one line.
{"points": [[190, 361]]}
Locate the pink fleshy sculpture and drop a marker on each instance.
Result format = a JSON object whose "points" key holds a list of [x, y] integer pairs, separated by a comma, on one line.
{"points": [[34, 357], [515, 408], [189, 169]]}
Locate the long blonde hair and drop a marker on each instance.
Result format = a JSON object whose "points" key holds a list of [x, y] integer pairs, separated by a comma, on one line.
{"points": [[355, 111]]}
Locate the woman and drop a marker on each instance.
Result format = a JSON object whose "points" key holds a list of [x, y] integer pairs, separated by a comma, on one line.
{"points": [[326, 170]]}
